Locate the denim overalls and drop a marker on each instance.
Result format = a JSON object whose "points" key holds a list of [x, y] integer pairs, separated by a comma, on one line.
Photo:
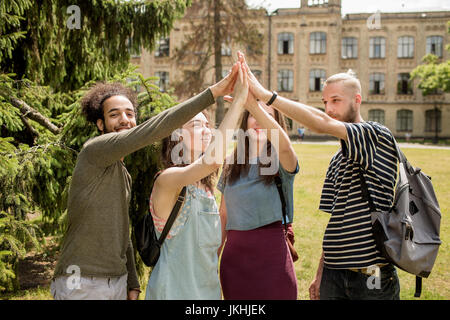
{"points": [[187, 268]]}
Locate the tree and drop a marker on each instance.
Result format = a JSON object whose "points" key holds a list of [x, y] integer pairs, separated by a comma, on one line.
{"points": [[434, 78], [45, 68], [215, 25]]}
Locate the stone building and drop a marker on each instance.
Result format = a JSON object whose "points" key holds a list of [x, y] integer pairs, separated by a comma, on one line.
{"points": [[304, 46]]}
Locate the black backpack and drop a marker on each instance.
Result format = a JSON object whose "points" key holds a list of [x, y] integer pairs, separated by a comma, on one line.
{"points": [[147, 243]]}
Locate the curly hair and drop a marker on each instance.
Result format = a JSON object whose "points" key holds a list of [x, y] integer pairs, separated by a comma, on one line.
{"points": [[92, 102]]}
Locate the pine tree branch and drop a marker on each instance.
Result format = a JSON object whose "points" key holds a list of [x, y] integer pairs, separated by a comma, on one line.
{"points": [[32, 130], [33, 114]]}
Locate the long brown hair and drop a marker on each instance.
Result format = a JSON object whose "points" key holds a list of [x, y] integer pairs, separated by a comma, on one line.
{"points": [[233, 171], [167, 146]]}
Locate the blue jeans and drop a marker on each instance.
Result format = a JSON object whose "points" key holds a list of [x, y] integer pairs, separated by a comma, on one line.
{"points": [[344, 284]]}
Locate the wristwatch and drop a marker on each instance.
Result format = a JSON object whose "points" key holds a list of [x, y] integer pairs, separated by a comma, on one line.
{"points": [[274, 96]]}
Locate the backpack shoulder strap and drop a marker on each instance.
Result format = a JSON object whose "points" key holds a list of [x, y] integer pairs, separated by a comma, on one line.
{"points": [[283, 201], [365, 191], [173, 215]]}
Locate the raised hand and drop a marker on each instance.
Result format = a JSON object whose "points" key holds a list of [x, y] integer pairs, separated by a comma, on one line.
{"points": [[241, 85], [255, 87], [226, 85]]}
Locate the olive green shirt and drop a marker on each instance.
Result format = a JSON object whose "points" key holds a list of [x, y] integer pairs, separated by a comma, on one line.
{"points": [[97, 239]]}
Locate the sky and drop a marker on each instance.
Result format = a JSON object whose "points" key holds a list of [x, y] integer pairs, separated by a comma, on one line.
{"points": [[364, 6]]}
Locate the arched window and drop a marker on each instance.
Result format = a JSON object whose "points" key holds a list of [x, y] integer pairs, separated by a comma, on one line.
{"points": [[376, 83], [317, 42], [349, 48], [286, 43], [285, 80], [376, 115], [433, 119], [404, 120], [316, 79], [377, 47], [405, 47], [434, 45]]}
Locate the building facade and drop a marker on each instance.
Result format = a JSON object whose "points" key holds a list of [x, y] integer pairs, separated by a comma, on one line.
{"points": [[304, 46]]}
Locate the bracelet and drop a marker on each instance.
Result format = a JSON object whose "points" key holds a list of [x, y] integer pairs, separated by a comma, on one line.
{"points": [[274, 96]]}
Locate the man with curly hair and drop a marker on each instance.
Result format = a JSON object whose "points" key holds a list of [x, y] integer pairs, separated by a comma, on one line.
{"points": [[97, 260]]}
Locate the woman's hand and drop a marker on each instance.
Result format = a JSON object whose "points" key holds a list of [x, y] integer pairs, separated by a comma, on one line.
{"points": [[226, 85], [255, 87], [241, 86]]}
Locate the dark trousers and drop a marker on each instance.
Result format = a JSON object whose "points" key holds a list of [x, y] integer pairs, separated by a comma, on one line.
{"points": [[344, 284]]}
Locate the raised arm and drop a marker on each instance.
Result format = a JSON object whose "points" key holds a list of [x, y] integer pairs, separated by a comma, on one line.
{"points": [[286, 153], [172, 180], [310, 117], [108, 148]]}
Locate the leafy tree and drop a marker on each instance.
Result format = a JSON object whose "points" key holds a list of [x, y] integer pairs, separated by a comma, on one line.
{"points": [[215, 25], [434, 78], [45, 68]]}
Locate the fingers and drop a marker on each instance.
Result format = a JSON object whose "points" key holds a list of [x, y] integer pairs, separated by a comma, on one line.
{"points": [[228, 98], [240, 74]]}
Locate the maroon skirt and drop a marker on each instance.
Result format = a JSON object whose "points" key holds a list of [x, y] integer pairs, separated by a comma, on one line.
{"points": [[257, 265]]}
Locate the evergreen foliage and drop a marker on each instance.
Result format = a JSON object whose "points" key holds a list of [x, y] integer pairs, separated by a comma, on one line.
{"points": [[45, 68]]}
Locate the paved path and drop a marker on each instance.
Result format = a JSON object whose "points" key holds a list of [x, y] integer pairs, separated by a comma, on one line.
{"points": [[402, 145]]}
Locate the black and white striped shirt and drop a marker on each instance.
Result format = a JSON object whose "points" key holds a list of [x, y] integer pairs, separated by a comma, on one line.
{"points": [[348, 241]]}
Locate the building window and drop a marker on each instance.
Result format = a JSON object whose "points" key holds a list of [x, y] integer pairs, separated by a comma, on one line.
{"points": [[317, 43], [256, 49], [286, 43], [404, 121], [225, 48], [163, 82], [376, 115], [376, 83], [258, 74], [377, 47], [285, 80], [405, 47], [316, 79], [404, 85], [162, 47], [134, 53], [313, 3], [433, 120], [349, 48], [434, 45]]}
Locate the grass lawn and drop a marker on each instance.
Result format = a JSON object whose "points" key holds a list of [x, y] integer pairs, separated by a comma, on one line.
{"points": [[310, 223]]}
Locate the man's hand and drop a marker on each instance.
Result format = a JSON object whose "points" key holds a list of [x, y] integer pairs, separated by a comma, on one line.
{"points": [[314, 290], [133, 294], [226, 85], [241, 89], [255, 87]]}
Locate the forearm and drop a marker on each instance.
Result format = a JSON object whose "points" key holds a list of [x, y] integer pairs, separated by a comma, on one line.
{"points": [[108, 148], [216, 151], [310, 117], [132, 282], [266, 121], [320, 267]]}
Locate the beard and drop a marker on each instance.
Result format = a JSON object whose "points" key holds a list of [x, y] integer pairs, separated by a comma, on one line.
{"points": [[351, 115]]}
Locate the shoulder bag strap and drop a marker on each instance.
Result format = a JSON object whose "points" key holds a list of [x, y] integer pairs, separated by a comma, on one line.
{"points": [[173, 214], [365, 191], [283, 201]]}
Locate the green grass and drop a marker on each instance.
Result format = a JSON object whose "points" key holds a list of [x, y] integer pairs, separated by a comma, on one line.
{"points": [[310, 223]]}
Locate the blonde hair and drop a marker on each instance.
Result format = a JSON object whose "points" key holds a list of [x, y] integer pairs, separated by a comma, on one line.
{"points": [[349, 79]]}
